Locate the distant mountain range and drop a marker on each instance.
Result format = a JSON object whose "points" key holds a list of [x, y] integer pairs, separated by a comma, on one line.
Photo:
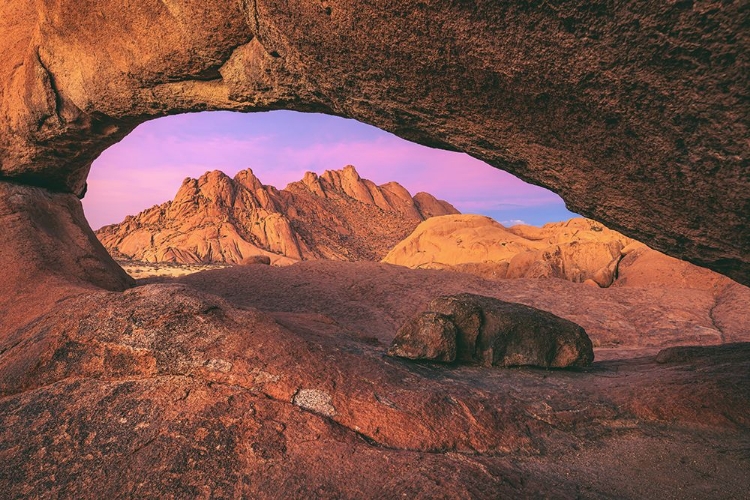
{"points": [[215, 218]]}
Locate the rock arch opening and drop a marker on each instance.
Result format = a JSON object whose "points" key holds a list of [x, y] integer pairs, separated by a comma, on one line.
{"points": [[147, 167], [620, 113], [252, 186]]}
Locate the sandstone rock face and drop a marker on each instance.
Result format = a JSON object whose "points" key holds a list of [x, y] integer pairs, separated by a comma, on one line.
{"points": [[492, 333], [643, 267], [441, 242], [48, 252], [634, 116], [576, 250], [218, 219]]}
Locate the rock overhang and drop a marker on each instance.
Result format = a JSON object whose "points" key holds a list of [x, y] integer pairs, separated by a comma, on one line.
{"points": [[634, 116]]}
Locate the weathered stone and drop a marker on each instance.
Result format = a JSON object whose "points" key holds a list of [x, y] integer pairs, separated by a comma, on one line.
{"points": [[220, 219], [168, 390], [46, 238], [634, 116], [315, 401], [576, 250], [256, 259], [430, 336], [509, 334]]}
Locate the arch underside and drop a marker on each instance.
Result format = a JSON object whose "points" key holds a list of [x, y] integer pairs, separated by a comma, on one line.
{"points": [[635, 118]]}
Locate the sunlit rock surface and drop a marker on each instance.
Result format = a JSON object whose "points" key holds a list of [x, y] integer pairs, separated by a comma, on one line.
{"points": [[634, 114], [216, 218]]}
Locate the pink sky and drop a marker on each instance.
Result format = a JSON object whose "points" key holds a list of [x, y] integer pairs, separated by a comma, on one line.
{"points": [[148, 166]]}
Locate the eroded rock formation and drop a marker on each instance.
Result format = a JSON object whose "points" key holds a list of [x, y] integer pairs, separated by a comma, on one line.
{"points": [[46, 239], [216, 218], [271, 379], [470, 328], [578, 250], [636, 116]]}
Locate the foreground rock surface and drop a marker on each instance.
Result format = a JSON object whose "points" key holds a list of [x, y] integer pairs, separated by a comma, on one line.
{"points": [[215, 218], [596, 103], [47, 250], [473, 328], [266, 382]]}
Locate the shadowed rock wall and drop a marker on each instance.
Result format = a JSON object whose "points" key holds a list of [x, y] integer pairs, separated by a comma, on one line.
{"points": [[632, 111]]}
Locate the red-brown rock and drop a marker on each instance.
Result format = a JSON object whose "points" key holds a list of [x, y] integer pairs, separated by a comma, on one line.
{"points": [[165, 390], [427, 336], [634, 116], [478, 329]]}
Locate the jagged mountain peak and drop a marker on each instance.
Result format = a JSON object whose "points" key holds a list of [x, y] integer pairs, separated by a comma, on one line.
{"points": [[216, 218]]}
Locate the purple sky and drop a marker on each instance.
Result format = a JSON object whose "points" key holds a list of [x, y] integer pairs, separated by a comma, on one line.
{"points": [[148, 166]]}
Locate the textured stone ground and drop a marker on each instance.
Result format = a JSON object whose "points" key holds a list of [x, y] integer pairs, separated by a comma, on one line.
{"points": [[273, 382]]}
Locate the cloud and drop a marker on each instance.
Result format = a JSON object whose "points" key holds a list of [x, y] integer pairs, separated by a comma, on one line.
{"points": [[512, 222]]}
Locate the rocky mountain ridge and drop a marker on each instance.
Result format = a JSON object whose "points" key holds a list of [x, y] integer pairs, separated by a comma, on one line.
{"points": [[216, 218], [578, 250]]}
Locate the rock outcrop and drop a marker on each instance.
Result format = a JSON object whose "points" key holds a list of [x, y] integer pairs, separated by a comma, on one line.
{"points": [[634, 116], [46, 237], [48, 252], [262, 381], [577, 250], [216, 218], [471, 328]]}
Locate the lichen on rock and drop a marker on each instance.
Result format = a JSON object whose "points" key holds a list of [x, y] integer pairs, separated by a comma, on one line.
{"points": [[316, 401]]}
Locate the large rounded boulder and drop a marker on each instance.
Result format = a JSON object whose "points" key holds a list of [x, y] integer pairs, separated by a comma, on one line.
{"points": [[491, 332]]}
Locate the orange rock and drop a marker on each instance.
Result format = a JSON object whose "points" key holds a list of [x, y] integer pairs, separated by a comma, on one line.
{"points": [[576, 250], [219, 219]]}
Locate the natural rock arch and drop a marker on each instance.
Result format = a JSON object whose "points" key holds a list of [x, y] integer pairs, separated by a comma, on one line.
{"points": [[632, 113]]}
